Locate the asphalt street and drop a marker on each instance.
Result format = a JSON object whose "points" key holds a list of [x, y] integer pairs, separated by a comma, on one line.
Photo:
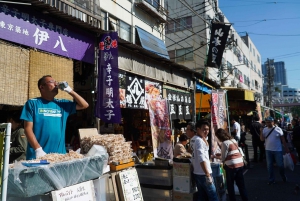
{"points": [[256, 179]]}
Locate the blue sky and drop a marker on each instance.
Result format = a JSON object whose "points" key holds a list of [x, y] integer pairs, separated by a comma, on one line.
{"points": [[274, 28]]}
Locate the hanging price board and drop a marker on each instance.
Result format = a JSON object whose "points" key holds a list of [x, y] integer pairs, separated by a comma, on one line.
{"points": [[83, 191], [129, 185]]}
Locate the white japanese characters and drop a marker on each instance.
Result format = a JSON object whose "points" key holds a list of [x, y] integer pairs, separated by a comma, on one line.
{"points": [[109, 91]]}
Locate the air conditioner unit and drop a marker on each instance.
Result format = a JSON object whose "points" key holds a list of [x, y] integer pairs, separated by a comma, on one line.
{"points": [[239, 85]]}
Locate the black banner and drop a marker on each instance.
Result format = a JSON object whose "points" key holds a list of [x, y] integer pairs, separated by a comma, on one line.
{"points": [[180, 104], [218, 38], [135, 91]]}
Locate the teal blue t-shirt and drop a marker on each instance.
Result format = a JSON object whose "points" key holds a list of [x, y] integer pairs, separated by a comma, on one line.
{"points": [[49, 123]]}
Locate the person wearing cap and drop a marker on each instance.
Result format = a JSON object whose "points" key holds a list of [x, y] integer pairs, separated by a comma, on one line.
{"points": [[273, 137], [45, 118], [179, 149]]}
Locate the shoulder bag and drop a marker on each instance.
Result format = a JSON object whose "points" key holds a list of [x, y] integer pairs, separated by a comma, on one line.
{"points": [[241, 152], [270, 132]]}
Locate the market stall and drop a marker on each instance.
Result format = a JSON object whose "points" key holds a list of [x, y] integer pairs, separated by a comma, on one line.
{"points": [[100, 170]]}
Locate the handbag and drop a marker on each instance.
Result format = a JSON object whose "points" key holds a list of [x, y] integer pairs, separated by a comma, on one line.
{"points": [[242, 153]]}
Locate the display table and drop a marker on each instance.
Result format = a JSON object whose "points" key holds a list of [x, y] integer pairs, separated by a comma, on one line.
{"points": [[30, 181]]}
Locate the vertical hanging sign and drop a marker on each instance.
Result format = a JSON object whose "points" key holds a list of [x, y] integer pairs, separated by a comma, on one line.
{"points": [[218, 38], [218, 115], [108, 103]]}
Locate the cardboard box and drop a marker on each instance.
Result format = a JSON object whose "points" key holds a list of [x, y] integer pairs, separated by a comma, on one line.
{"points": [[183, 184]]}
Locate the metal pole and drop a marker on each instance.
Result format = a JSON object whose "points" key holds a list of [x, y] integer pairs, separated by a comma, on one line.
{"points": [[201, 93], [5, 160], [228, 120]]}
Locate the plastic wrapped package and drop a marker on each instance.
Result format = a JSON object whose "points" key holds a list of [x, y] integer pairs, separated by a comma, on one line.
{"points": [[118, 150], [30, 181]]}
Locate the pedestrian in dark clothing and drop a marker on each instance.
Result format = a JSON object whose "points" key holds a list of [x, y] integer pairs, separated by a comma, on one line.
{"points": [[255, 128], [296, 137], [18, 139]]}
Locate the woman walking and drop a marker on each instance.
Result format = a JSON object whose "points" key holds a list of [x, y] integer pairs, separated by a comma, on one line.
{"points": [[233, 164]]}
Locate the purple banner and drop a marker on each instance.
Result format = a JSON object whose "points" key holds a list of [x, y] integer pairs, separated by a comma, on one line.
{"points": [[108, 102], [23, 25]]}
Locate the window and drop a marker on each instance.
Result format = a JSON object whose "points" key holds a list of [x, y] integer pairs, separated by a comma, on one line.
{"points": [[172, 55], [250, 47], [251, 64], [186, 54], [179, 24], [154, 3], [258, 58], [229, 65], [123, 29], [253, 52], [254, 67]]}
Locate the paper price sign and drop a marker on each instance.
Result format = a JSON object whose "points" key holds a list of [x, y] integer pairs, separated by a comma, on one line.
{"points": [[83, 191], [130, 185]]}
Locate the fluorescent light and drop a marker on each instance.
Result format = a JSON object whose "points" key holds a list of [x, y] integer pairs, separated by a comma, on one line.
{"points": [[15, 2]]}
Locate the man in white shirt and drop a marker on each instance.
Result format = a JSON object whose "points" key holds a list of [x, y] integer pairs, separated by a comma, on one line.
{"points": [[236, 130], [273, 137], [200, 160]]}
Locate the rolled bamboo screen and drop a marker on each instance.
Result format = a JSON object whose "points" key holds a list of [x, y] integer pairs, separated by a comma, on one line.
{"points": [[14, 69], [61, 69]]}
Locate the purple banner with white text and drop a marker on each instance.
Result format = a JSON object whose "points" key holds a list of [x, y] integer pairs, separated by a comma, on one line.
{"points": [[108, 102], [26, 26]]}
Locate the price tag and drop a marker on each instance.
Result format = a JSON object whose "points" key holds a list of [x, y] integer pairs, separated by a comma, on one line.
{"points": [[130, 185], [83, 191]]}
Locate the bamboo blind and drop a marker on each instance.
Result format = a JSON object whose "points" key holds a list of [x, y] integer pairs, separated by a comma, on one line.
{"points": [[14, 68], [61, 69]]}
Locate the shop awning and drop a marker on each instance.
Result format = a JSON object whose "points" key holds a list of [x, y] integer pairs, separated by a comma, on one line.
{"points": [[202, 105], [151, 43], [239, 94], [276, 111]]}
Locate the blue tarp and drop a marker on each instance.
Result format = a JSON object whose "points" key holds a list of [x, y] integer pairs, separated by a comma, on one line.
{"points": [[203, 88]]}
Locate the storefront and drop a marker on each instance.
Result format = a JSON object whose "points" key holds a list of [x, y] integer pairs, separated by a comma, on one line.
{"points": [[241, 104], [32, 45]]}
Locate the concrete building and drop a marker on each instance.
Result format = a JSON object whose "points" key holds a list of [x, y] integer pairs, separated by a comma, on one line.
{"points": [[280, 72], [188, 35]]}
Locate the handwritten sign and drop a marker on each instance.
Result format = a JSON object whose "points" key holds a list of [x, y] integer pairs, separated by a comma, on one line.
{"points": [[181, 169], [83, 191], [130, 185]]}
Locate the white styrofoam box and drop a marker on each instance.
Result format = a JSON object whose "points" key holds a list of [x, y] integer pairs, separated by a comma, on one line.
{"points": [[182, 169], [183, 184], [103, 188]]}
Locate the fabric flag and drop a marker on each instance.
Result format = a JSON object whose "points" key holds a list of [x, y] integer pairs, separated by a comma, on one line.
{"points": [[218, 38], [108, 103], [160, 128], [218, 115]]}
